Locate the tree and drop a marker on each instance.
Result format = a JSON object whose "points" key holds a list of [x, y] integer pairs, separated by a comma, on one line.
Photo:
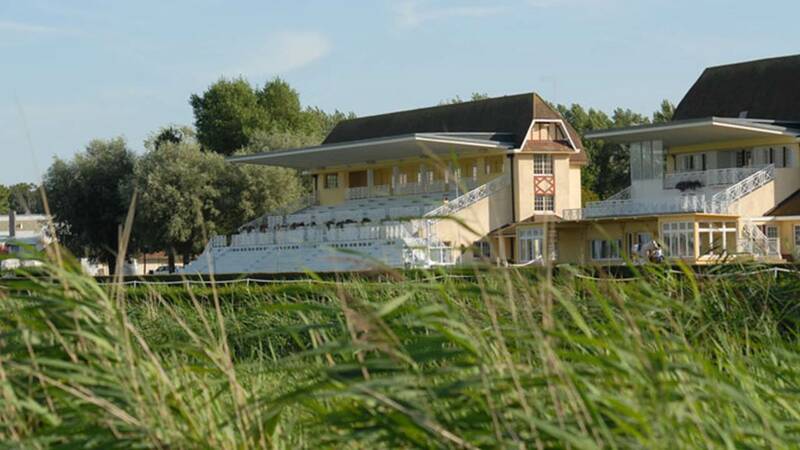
{"points": [[664, 113], [227, 114], [187, 195], [174, 134], [25, 198], [457, 99], [89, 199], [281, 104], [4, 193], [179, 192]]}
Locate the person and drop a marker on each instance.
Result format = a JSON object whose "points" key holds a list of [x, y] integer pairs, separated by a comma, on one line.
{"points": [[656, 254]]}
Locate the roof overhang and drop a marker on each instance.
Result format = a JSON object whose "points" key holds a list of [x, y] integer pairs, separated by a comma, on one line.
{"points": [[379, 149], [697, 131]]}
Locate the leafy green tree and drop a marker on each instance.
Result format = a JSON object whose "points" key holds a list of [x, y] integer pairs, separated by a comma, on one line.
{"points": [[89, 200], [173, 134], [457, 99], [281, 103], [227, 114], [179, 192], [4, 194], [664, 113], [25, 198], [187, 195]]}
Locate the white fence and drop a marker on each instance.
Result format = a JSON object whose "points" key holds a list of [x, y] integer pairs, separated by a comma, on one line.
{"points": [[713, 177], [324, 234], [719, 203]]}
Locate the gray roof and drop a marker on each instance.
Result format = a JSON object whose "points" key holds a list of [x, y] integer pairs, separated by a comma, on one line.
{"points": [[762, 89], [509, 116]]}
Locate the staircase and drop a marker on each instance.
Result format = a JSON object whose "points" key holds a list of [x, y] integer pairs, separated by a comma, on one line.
{"points": [[755, 242], [721, 201], [469, 198]]}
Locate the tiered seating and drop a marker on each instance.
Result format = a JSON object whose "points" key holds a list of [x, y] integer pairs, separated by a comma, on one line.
{"points": [[369, 210]]}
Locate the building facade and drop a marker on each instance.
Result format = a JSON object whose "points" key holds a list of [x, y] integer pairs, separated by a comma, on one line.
{"points": [[499, 180], [416, 188]]}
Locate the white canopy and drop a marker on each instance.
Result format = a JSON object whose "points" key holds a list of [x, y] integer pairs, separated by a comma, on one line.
{"points": [[381, 149], [697, 131]]}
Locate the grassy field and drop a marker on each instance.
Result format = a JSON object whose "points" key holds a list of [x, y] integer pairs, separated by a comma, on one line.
{"points": [[507, 360]]}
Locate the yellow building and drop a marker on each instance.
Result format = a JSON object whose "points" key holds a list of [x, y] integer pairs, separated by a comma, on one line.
{"points": [[720, 181], [414, 188], [499, 180]]}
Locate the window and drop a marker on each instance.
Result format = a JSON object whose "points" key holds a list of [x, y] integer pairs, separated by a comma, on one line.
{"points": [[494, 164], [544, 203], [331, 181], [678, 238], [483, 249], [771, 231], [796, 237], [542, 164], [604, 249], [637, 241], [685, 163], [744, 158], [531, 244], [717, 238], [647, 160]]}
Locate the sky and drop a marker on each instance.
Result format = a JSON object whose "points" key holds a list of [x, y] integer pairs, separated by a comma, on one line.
{"points": [[72, 71]]}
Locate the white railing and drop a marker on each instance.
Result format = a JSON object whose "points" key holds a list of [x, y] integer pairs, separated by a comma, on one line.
{"points": [[470, 198], [313, 235], [624, 194], [381, 190], [721, 201], [755, 242], [276, 217], [713, 177], [419, 188], [613, 208], [718, 203]]}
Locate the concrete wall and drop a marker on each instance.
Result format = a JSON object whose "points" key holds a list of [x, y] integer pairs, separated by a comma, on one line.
{"points": [[763, 199], [482, 217]]}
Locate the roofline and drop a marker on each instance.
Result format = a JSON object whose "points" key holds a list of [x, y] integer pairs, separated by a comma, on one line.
{"points": [[414, 137], [759, 125]]}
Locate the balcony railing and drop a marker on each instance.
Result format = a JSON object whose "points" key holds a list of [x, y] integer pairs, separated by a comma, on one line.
{"points": [[616, 208], [382, 190], [321, 234], [713, 177], [462, 185], [719, 203]]}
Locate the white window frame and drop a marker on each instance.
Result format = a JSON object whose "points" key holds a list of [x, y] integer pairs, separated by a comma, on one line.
{"points": [[531, 244], [605, 249], [542, 164], [544, 203], [797, 238], [483, 249], [678, 238]]}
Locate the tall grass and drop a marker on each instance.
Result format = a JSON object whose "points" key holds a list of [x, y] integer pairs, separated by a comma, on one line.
{"points": [[511, 360]]}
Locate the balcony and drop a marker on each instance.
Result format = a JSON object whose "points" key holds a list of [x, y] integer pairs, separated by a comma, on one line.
{"points": [[620, 208], [703, 178]]}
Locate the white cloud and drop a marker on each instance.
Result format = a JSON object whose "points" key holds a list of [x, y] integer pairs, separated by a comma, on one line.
{"points": [[411, 13], [284, 52]]}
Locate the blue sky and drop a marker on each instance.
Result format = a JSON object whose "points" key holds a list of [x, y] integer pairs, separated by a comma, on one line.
{"points": [[82, 69]]}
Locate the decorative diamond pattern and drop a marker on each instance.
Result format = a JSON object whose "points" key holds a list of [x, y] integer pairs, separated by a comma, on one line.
{"points": [[544, 185]]}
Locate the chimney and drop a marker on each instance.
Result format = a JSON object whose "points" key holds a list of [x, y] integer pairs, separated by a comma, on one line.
{"points": [[12, 224]]}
